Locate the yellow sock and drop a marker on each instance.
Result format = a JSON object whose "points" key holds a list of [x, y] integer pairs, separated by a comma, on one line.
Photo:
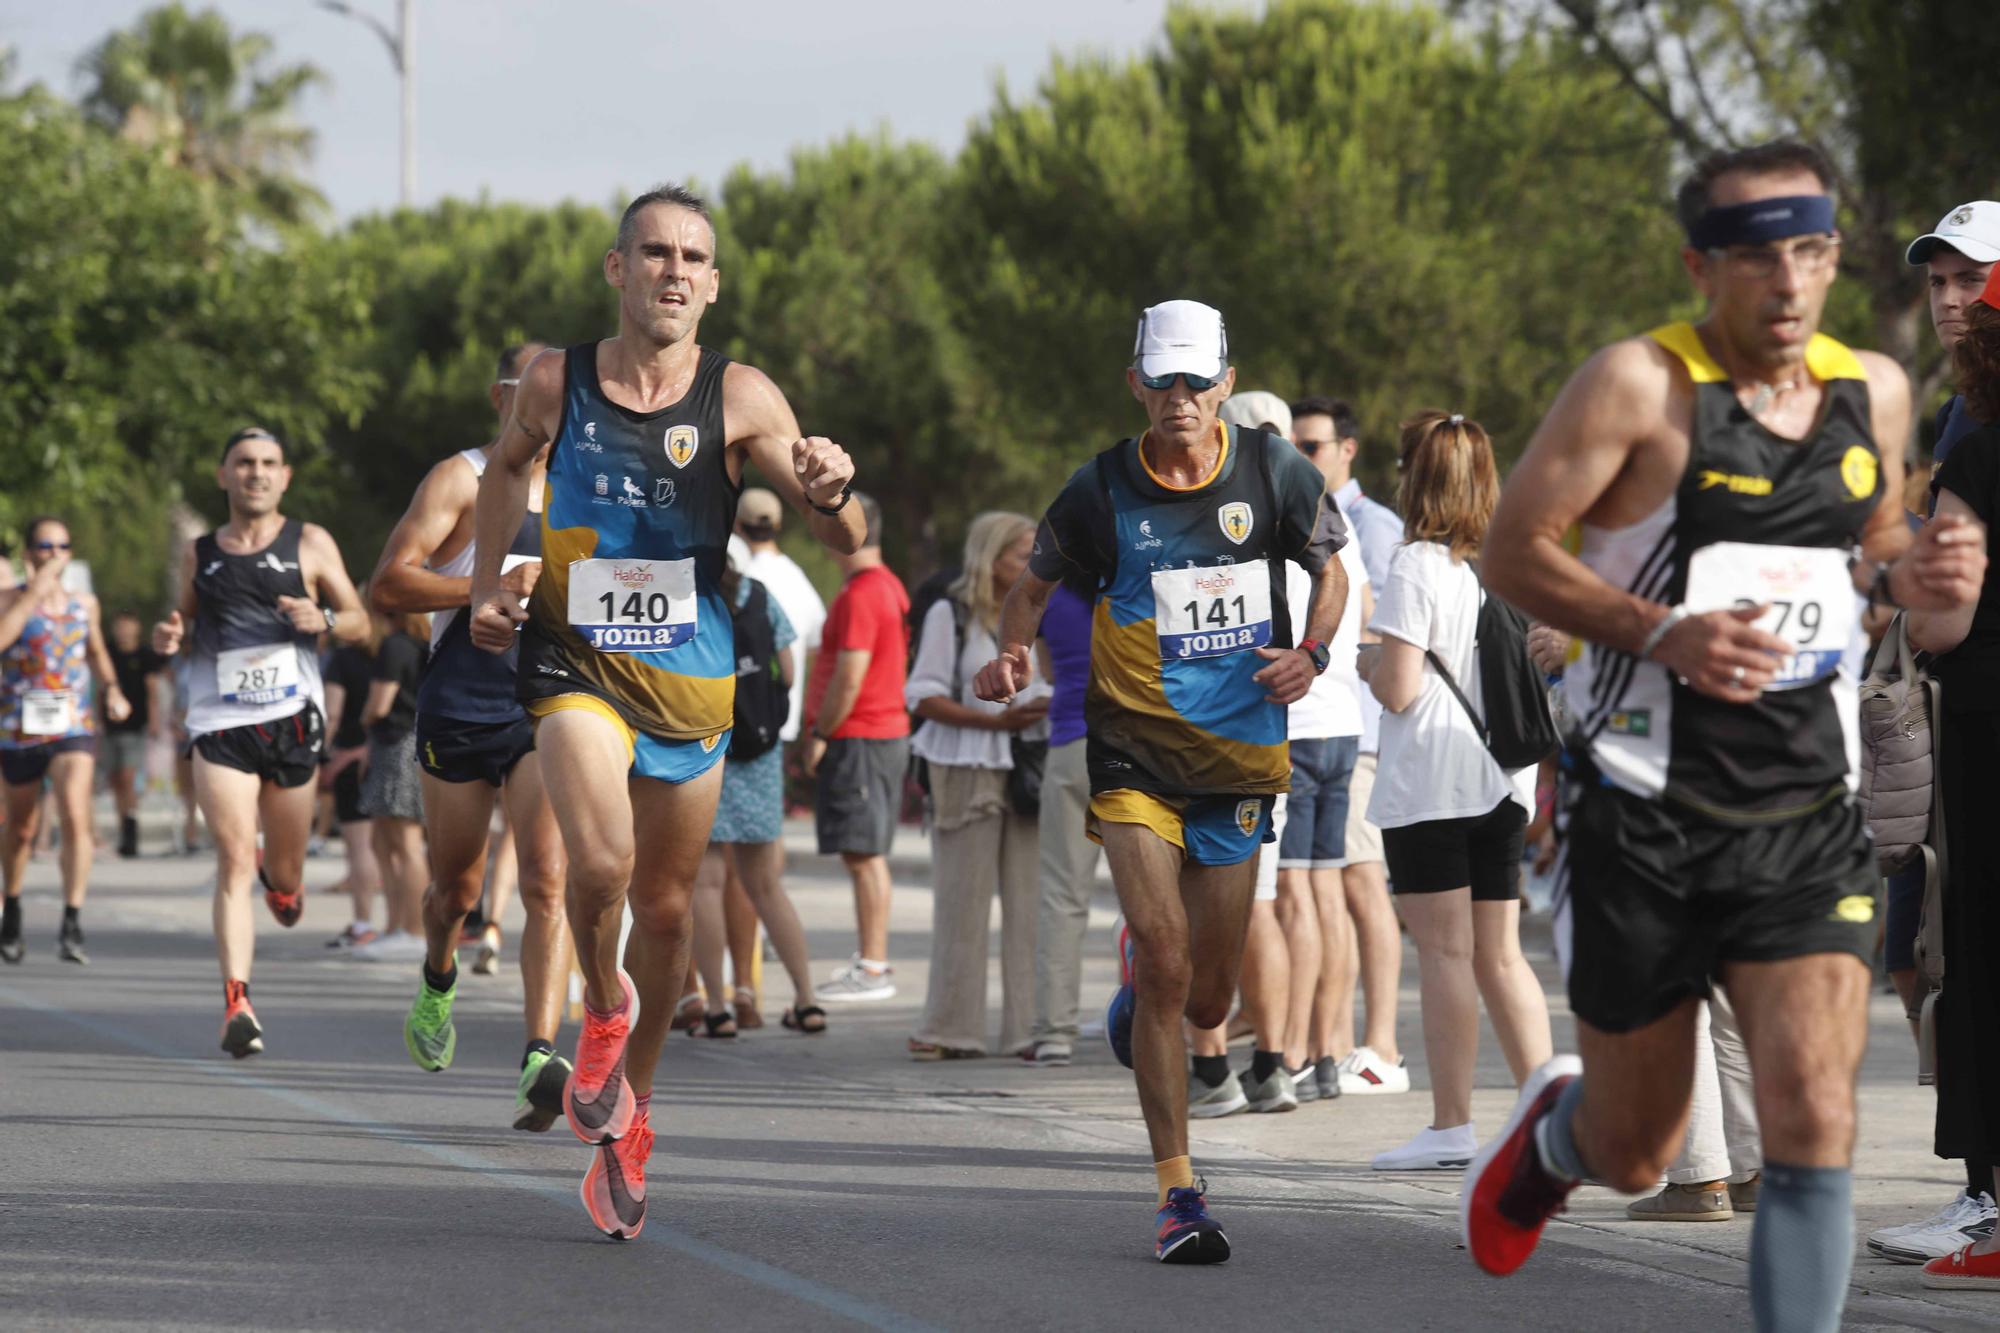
{"points": [[1176, 1173]]}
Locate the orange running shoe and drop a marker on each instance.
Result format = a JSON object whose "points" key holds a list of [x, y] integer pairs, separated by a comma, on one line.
{"points": [[287, 907], [614, 1189], [598, 1100], [241, 1034]]}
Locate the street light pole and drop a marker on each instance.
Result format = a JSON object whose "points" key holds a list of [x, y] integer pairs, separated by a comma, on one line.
{"points": [[401, 51]]}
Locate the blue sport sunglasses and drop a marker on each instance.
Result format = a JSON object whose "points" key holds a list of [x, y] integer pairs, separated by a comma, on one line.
{"points": [[1195, 383]]}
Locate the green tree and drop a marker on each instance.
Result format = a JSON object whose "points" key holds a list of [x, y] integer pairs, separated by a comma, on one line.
{"points": [[207, 99]]}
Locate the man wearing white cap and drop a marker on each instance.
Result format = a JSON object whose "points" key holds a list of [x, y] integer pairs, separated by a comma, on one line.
{"points": [[1957, 256], [1184, 532]]}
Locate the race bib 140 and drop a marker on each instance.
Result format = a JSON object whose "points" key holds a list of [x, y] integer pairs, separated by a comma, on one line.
{"points": [[1808, 591], [633, 606], [1213, 610]]}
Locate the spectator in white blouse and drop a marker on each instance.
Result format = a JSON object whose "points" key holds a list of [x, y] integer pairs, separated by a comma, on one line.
{"points": [[983, 835]]}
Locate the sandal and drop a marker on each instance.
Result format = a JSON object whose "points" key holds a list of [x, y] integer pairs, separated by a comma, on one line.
{"points": [[687, 1014], [809, 1019], [927, 1050], [714, 1024], [747, 1017]]}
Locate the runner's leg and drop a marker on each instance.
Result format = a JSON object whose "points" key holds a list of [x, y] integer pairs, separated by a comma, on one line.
{"points": [[538, 850], [581, 751], [672, 823], [70, 778], [228, 800], [17, 837], [1632, 1117], [457, 814], [1146, 870], [503, 869], [286, 814]]}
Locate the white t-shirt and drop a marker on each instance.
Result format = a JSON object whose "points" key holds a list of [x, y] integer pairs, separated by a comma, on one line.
{"points": [[1433, 764], [781, 575], [1331, 707], [932, 676]]}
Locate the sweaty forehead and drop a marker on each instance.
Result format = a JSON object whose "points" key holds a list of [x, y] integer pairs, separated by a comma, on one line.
{"points": [[1747, 187], [673, 225]]}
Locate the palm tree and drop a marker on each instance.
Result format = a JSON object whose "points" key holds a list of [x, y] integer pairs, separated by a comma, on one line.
{"points": [[204, 98]]}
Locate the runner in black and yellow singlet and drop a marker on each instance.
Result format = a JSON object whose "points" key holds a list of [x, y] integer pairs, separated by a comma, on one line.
{"points": [[1185, 531], [627, 661], [1731, 495]]}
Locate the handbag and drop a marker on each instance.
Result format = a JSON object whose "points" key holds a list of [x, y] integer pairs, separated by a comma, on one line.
{"points": [[1024, 779]]}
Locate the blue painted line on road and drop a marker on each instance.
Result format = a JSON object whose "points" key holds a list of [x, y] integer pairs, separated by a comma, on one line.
{"points": [[780, 1280]]}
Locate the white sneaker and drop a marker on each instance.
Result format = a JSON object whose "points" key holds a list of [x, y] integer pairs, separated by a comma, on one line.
{"points": [[855, 983], [1225, 1098], [397, 946], [1432, 1150], [1967, 1218], [1366, 1074]]}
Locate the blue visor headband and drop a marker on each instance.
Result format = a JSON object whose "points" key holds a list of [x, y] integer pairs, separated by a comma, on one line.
{"points": [[1763, 220]]}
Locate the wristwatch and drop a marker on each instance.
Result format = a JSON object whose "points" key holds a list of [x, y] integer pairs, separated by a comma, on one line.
{"points": [[1318, 652], [846, 493], [327, 611]]}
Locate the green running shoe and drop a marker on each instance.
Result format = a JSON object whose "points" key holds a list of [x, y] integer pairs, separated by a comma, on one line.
{"points": [[428, 1031], [538, 1101]]}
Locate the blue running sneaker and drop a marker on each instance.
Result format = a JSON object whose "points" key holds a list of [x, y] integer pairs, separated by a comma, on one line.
{"points": [[1188, 1235], [1118, 1024]]}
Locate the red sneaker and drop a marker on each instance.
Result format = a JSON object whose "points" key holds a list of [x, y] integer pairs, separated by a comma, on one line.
{"points": [[1507, 1197], [614, 1188], [598, 1100], [241, 1034], [287, 907], [1963, 1270]]}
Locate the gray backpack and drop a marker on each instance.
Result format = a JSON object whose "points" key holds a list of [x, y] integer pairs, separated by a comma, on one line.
{"points": [[1901, 703]]}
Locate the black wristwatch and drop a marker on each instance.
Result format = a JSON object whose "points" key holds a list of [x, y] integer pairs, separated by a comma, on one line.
{"points": [[1318, 652], [846, 493]]}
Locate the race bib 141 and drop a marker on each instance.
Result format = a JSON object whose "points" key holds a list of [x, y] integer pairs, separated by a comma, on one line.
{"points": [[633, 606], [1807, 590], [1212, 610]]}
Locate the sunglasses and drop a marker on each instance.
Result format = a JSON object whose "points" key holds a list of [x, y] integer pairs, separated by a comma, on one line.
{"points": [[506, 384], [1195, 383], [51, 546]]}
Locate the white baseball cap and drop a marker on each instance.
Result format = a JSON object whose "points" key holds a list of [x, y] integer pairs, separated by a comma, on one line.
{"points": [[1181, 338], [1971, 229], [1256, 407]]}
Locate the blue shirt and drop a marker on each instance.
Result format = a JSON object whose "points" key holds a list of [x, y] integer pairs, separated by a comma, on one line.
{"points": [[1378, 528]]}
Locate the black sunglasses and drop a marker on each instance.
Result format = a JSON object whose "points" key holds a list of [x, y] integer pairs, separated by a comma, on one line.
{"points": [[1195, 383], [51, 546]]}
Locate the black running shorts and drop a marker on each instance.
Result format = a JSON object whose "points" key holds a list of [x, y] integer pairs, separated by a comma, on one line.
{"points": [[284, 751], [455, 751], [1659, 899]]}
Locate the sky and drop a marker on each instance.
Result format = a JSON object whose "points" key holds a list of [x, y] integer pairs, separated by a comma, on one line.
{"points": [[597, 99]]}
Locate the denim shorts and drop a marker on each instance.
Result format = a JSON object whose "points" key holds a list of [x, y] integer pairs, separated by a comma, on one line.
{"points": [[1315, 836]]}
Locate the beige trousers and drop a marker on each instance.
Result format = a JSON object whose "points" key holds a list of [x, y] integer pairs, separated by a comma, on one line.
{"points": [[980, 848]]}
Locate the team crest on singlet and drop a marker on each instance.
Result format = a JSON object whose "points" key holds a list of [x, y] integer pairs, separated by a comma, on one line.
{"points": [[1248, 815], [682, 441], [1858, 470], [1236, 521]]}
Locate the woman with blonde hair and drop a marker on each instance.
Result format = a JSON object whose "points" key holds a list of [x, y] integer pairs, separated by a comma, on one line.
{"points": [[984, 838], [1452, 821]]}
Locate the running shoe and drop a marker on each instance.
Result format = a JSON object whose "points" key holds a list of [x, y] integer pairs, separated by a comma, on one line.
{"points": [[1186, 1234], [1276, 1092], [13, 949], [286, 907], [1303, 1086], [69, 946], [1326, 1074], [428, 1031], [1432, 1150], [1366, 1074], [1963, 1270], [856, 983], [538, 1099], [354, 936], [241, 1034], [596, 1097], [487, 962], [614, 1188], [393, 946], [1508, 1195], [1966, 1220], [1225, 1098], [1118, 1023]]}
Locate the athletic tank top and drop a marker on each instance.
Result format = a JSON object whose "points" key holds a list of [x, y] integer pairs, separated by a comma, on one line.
{"points": [[636, 515], [45, 685], [463, 681], [249, 664], [1196, 582], [1755, 518]]}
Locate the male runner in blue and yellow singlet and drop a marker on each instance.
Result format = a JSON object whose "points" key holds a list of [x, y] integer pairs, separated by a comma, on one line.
{"points": [[1184, 533], [1731, 479], [627, 662]]}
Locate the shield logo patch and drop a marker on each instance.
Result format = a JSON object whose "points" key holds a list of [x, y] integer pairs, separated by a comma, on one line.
{"points": [[1249, 814], [1236, 521], [682, 441]]}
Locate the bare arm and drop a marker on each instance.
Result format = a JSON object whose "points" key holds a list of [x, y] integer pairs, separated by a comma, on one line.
{"points": [[1020, 621], [22, 601], [1942, 631], [1290, 672], [503, 499], [327, 584], [843, 690], [1887, 535], [381, 701], [1397, 675], [803, 471], [402, 580], [167, 635]]}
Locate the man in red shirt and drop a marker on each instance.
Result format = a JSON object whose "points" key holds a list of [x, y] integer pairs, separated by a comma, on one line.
{"points": [[858, 746]]}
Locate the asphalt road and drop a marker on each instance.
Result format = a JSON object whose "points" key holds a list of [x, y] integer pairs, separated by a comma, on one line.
{"points": [[146, 1181]]}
